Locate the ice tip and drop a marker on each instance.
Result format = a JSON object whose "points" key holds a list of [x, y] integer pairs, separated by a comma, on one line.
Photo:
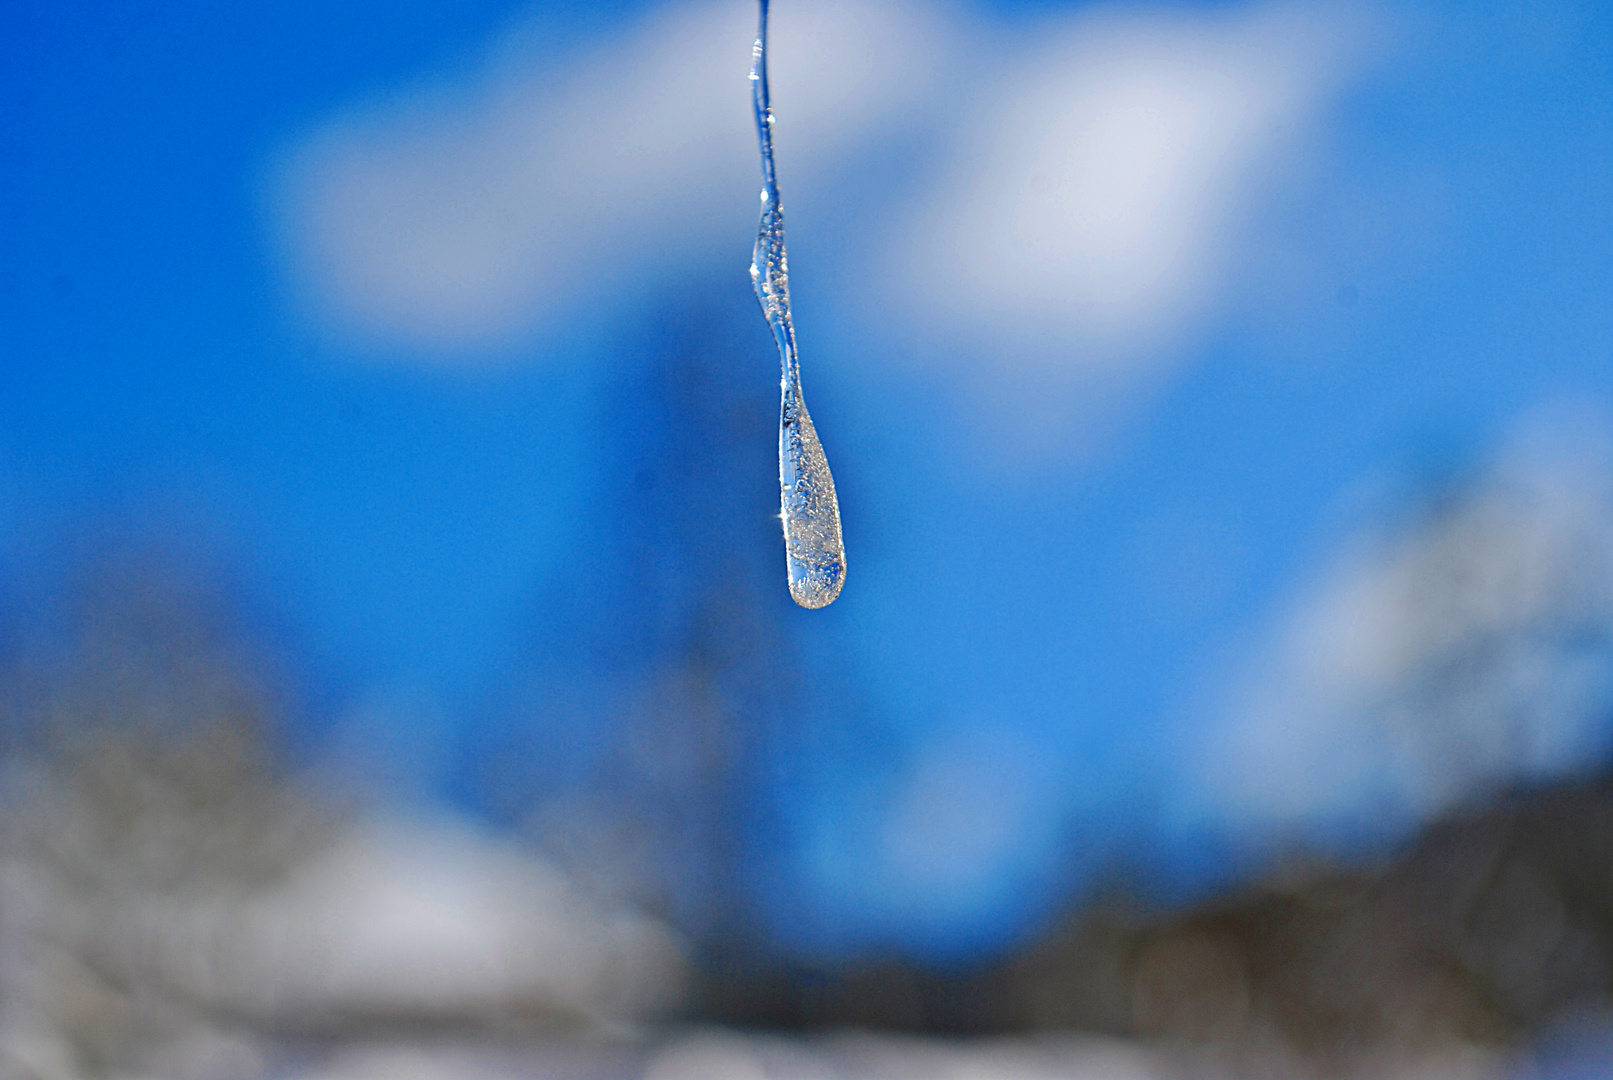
{"points": [[818, 587], [813, 597]]}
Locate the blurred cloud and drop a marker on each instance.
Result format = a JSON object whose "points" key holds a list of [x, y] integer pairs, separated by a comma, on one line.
{"points": [[961, 813], [1096, 189], [1467, 649], [466, 216], [1069, 200], [932, 855]]}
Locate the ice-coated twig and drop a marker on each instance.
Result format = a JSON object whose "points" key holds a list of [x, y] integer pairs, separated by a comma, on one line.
{"points": [[814, 554]]}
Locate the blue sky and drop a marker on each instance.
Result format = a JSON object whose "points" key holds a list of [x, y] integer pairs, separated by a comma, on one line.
{"points": [[1122, 325]]}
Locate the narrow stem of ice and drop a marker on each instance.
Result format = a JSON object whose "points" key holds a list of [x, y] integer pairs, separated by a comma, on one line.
{"points": [[815, 557]]}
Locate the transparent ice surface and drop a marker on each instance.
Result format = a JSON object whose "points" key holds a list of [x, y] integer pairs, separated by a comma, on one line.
{"points": [[814, 554]]}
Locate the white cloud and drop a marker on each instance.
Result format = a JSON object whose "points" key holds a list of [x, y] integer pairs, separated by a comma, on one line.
{"points": [[960, 819], [1097, 189], [950, 852], [1468, 650], [1072, 195], [469, 216]]}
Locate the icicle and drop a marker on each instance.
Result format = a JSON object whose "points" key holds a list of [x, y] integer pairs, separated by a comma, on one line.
{"points": [[814, 555]]}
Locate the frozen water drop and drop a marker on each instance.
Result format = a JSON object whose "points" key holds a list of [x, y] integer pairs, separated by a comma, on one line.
{"points": [[814, 554]]}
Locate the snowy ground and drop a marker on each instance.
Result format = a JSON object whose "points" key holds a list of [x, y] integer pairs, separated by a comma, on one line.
{"points": [[717, 1055]]}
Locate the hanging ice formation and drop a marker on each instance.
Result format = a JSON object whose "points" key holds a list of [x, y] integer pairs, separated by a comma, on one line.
{"points": [[813, 552]]}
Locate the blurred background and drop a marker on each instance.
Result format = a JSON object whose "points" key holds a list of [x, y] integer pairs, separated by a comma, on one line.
{"points": [[397, 674]]}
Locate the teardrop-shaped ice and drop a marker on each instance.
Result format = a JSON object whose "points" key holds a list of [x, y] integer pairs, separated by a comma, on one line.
{"points": [[812, 546], [814, 554]]}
